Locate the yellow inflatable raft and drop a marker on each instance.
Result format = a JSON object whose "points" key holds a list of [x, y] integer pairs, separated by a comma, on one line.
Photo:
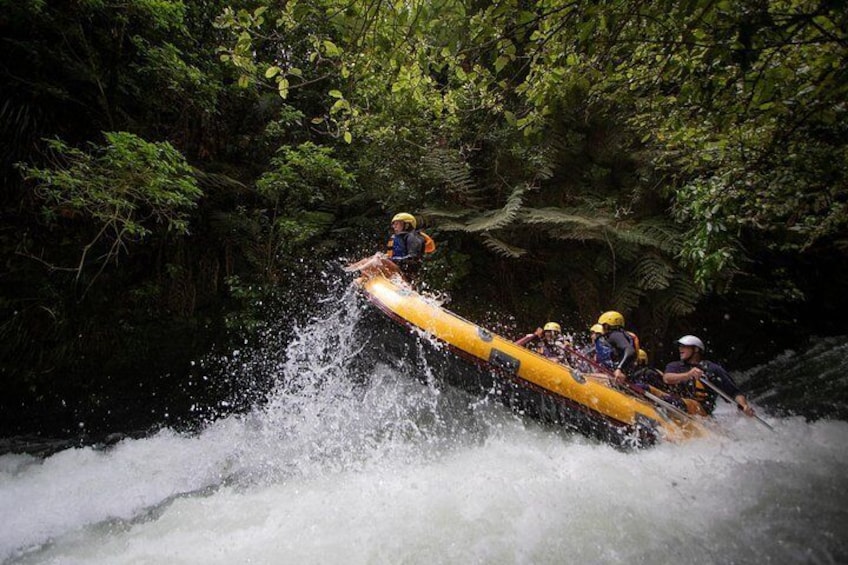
{"points": [[522, 379]]}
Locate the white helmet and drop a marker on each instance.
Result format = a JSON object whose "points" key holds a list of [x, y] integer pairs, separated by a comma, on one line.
{"points": [[692, 341]]}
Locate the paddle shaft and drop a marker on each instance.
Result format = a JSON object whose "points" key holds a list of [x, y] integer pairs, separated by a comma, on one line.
{"points": [[728, 398], [653, 398]]}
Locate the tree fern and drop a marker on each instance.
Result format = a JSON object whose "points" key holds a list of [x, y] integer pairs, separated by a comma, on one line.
{"points": [[653, 273], [626, 296], [563, 216], [656, 234], [501, 247], [680, 297], [446, 166], [496, 219]]}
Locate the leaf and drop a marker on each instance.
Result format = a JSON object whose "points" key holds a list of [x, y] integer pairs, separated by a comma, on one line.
{"points": [[331, 49], [563, 216], [496, 219], [348, 137], [653, 273], [283, 88], [502, 248], [272, 71]]}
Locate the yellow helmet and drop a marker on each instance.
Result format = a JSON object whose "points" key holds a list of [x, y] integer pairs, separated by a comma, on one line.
{"points": [[642, 356], [612, 319], [552, 326], [404, 217], [597, 329]]}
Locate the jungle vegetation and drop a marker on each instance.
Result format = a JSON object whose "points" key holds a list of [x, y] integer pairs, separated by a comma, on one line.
{"points": [[170, 168]]}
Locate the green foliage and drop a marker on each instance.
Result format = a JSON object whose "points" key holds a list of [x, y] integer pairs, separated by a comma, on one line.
{"points": [[129, 189], [570, 157], [751, 128], [306, 175]]}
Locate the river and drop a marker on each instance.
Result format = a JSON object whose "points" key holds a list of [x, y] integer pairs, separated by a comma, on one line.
{"points": [[356, 460]]}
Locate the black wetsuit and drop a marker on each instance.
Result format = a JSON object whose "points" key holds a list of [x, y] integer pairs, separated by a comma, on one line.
{"points": [[623, 352]]}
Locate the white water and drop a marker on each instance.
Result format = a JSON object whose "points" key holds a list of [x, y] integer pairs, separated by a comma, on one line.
{"points": [[337, 469]]}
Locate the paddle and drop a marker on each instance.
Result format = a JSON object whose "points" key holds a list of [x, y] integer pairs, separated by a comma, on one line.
{"points": [[728, 398], [631, 388]]}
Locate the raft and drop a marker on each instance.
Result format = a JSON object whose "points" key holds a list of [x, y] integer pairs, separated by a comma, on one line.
{"points": [[523, 380]]}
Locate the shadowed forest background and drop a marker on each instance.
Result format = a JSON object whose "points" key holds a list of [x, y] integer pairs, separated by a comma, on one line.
{"points": [[176, 176]]}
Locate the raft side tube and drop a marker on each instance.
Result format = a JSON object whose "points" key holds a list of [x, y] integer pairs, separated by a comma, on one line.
{"points": [[521, 369]]}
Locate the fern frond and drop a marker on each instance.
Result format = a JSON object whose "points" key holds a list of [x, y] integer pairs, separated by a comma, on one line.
{"points": [[502, 248], [443, 213], [658, 235], [627, 297], [208, 180], [681, 297], [447, 166], [563, 216], [496, 219], [452, 226], [653, 273], [577, 234]]}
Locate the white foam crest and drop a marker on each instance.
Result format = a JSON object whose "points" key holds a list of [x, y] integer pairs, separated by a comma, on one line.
{"points": [[525, 495], [365, 464], [322, 418], [83, 486], [329, 412]]}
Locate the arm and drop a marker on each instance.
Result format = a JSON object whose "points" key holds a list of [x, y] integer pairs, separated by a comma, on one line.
{"points": [[743, 405], [722, 379], [628, 352], [677, 372], [529, 338], [414, 245]]}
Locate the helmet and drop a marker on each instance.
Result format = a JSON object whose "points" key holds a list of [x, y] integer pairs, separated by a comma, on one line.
{"points": [[552, 326], [691, 341], [642, 356], [404, 217], [612, 319], [597, 329]]}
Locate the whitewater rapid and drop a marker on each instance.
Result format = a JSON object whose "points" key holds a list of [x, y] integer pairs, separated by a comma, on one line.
{"points": [[378, 464]]}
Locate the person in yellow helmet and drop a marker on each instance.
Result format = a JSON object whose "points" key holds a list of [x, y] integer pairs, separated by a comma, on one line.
{"points": [[547, 341], [599, 350], [622, 344], [406, 246]]}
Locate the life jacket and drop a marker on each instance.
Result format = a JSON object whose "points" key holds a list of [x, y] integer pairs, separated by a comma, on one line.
{"points": [[556, 351], [634, 339], [603, 352], [429, 244], [699, 398]]}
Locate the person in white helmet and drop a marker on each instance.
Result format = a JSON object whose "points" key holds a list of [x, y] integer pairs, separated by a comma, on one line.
{"points": [[684, 377]]}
